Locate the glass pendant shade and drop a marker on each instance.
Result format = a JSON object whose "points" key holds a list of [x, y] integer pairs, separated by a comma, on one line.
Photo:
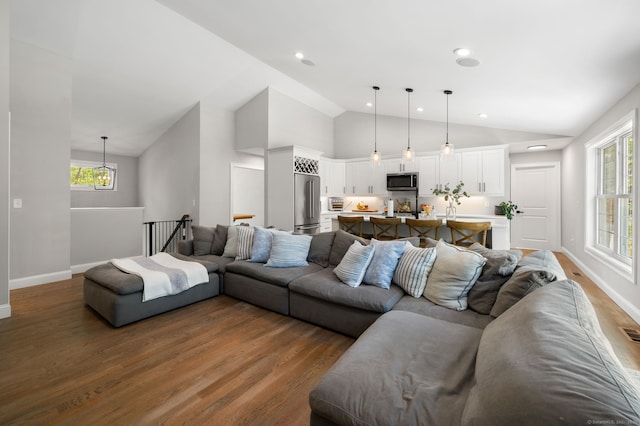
{"points": [[446, 149], [408, 154], [104, 177], [376, 157]]}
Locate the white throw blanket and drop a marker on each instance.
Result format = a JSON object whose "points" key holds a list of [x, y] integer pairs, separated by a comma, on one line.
{"points": [[163, 274]]}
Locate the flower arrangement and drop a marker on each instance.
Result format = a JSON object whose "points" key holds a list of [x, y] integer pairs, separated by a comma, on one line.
{"points": [[508, 208], [452, 195]]}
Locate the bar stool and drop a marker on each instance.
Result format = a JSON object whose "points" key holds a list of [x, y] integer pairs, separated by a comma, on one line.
{"points": [[467, 233], [385, 228], [351, 224], [422, 227]]}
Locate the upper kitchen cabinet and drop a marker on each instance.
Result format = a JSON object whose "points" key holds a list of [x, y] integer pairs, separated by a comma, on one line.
{"points": [[436, 173], [332, 177], [396, 165], [483, 171], [363, 178]]}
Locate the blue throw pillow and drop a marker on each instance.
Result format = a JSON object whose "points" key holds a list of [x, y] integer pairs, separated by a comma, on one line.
{"points": [[354, 264], [262, 240], [385, 259], [288, 250]]}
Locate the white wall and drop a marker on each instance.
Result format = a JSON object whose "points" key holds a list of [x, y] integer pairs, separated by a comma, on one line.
{"points": [[354, 135], [169, 171], [5, 308], [294, 123], [626, 293], [40, 104], [217, 152], [252, 124], [101, 234], [126, 194]]}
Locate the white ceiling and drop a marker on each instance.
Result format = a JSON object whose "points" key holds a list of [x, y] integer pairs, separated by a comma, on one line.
{"points": [[548, 66]]}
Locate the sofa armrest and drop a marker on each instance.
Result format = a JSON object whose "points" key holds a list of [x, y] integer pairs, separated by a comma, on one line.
{"points": [[185, 247]]}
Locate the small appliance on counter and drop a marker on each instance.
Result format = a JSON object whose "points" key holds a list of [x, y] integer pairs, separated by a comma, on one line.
{"points": [[336, 204]]}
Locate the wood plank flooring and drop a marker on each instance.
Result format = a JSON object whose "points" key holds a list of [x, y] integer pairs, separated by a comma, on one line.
{"points": [[220, 361]]}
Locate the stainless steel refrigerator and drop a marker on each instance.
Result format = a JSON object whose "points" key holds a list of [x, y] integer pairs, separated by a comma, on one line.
{"points": [[306, 204]]}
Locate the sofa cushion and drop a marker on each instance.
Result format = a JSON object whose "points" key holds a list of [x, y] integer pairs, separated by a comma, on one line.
{"points": [[219, 261], [354, 264], [231, 247], [499, 267], [547, 361], [341, 244], [320, 248], [219, 240], [202, 239], [245, 242], [426, 307], [326, 286], [288, 250], [413, 269], [523, 281], [278, 276], [452, 276], [261, 248], [386, 255], [406, 369], [544, 259]]}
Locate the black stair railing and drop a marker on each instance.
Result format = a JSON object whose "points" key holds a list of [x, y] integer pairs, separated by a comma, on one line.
{"points": [[163, 235]]}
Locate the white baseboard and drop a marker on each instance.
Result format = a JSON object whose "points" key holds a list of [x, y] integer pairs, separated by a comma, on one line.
{"points": [[80, 269], [39, 279], [5, 311], [630, 309]]}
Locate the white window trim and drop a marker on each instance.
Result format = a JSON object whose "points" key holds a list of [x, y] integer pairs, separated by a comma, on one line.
{"points": [[628, 270], [92, 165]]}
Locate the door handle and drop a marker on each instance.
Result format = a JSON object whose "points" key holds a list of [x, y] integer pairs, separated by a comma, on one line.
{"points": [[519, 211]]}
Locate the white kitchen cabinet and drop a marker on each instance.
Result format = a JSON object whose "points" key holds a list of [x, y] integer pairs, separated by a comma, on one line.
{"points": [[395, 165], [332, 177], [363, 178], [428, 175], [483, 172]]}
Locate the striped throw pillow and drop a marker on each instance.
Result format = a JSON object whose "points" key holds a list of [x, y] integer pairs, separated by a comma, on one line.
{"points": [[289, 250], [354, 264], [413, 269], [245, 242]]}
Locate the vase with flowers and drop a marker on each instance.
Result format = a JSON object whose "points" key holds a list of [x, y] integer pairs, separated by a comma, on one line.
{"points": [[452, 196]]}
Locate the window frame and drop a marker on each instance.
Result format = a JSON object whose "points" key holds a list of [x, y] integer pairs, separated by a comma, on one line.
{"points": [[614, 135], [91, 164]]}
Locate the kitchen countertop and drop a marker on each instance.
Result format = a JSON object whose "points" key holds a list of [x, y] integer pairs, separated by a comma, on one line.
{"points": [[497, 221]]}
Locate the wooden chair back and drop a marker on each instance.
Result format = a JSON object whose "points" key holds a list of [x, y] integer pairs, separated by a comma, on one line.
{"points": [[351, 224], [385, 228], [467, 233], [422, 227]]}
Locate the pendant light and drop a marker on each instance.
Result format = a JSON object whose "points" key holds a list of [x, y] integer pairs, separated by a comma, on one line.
{"points": [[446, 149], [104, 177], [376, 157], [407, 156]]}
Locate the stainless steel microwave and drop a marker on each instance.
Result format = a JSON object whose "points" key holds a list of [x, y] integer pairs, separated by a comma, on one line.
{"points": [[402, 181]]}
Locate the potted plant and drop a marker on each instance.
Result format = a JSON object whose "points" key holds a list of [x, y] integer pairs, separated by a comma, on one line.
{"points": [[506, 208], [452, 196]]}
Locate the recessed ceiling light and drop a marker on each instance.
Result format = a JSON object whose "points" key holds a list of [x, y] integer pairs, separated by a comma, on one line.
{"points": [[482, 115], [462, 51], [536, 147], [299, 55], [419, 109], [369, 104]]}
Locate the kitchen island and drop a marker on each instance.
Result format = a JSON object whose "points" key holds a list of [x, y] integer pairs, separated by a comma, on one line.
{"points": [[498, 237]]}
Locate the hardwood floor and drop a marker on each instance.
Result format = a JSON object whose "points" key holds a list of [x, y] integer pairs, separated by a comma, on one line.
{"points": [[220, 361]]}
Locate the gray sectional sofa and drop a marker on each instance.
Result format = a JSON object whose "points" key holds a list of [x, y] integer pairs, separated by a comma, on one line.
{"points": [[527, 350]]}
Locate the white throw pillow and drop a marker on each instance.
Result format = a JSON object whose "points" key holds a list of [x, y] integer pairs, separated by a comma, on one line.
{"points": [[231, 247], [454, 273], [413, 269], [354, 264]]}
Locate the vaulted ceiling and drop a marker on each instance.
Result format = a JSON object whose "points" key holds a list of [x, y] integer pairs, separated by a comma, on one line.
{"points": [[548, 66]]}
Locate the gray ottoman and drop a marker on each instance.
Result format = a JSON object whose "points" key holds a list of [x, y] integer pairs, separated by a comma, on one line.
{"points": [[117, 296]]}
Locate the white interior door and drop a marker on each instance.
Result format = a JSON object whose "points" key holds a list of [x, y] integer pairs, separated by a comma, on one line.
{"points": [[535, 188]]}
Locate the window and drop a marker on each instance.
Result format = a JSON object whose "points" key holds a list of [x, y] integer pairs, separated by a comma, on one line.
{"points": [[613, 202], [82, 174]]}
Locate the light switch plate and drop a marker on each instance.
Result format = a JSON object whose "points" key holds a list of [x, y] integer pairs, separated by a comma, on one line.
{"points": [[17, 203]]}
